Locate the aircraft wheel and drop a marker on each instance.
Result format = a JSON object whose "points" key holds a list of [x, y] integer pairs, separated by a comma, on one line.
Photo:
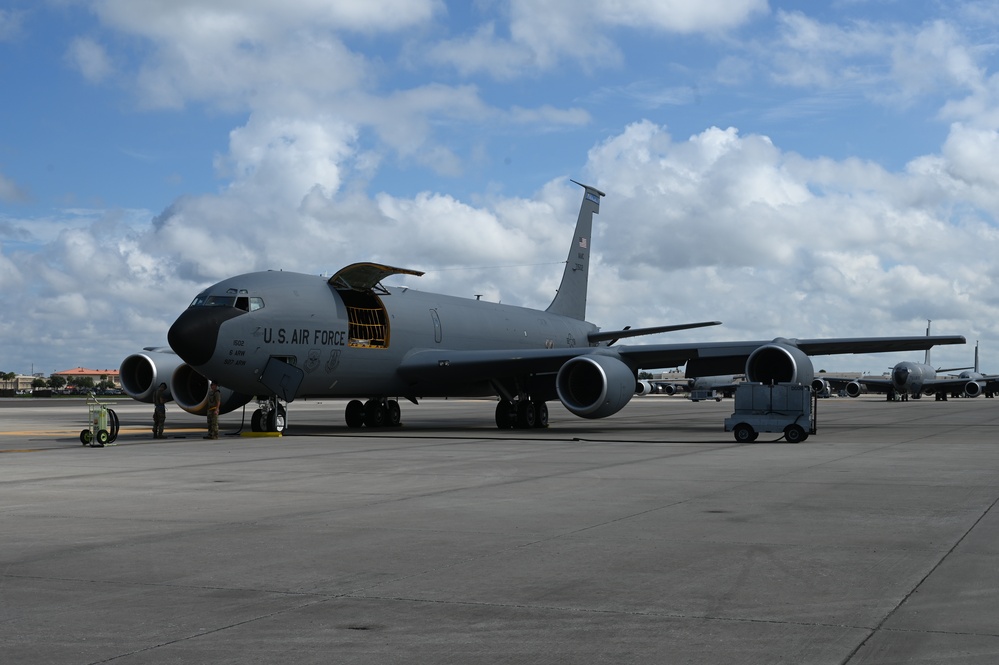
{"points": [[256, 421], [506, 414], [794, 434], [540, 414], [394, 413], [86, 437], [276, 420], [744, 433], [354, 413], [525, 414], [375, 413]]}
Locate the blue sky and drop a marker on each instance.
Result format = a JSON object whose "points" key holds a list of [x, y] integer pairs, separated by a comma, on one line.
{"points": [[790, 168]]}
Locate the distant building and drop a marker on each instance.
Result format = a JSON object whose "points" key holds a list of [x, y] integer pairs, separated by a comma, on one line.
{"points": [[72, 376], [20, 383]]}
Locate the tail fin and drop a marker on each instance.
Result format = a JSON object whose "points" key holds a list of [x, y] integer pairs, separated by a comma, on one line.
{"points": [[927, 360], [571, 297]]}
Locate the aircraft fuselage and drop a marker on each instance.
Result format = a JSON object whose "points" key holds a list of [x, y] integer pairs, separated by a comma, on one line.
{"points": [[349, 343], [908, 377]]}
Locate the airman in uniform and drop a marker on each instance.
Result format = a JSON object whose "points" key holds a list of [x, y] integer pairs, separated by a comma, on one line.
{"points": [[214, 401], [159, 411]]}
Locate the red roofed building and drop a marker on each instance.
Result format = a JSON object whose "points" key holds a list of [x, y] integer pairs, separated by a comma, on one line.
{"points": [[98, 375]]}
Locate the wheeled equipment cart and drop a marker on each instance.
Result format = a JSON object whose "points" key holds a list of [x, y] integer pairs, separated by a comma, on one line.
{"points": [[103, 424], [782, 407]]}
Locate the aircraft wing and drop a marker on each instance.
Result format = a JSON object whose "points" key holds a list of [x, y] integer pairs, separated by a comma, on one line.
{"points": [[958, 383], [825, 347], [878, 385], [715, 358], [434, 364], [706, 358]]}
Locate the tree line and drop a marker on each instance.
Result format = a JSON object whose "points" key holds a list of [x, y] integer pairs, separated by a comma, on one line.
{"points": [[58, 382]]}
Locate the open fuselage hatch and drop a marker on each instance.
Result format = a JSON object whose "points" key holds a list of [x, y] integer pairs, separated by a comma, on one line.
{"points": [[368, 325], [358, 286]]}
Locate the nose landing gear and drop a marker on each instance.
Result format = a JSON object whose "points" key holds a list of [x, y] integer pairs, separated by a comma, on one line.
{"points": [[270, 416]]}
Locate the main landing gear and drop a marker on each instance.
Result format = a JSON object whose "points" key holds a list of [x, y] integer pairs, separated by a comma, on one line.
{"points": [[380, 412], [521, 414], [373, 413]]}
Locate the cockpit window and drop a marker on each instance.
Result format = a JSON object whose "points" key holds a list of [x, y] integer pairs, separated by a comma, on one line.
{"points": [[243, 302], [220, 301]]}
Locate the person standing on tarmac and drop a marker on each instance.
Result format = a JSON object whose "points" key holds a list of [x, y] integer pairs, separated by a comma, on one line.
{"points": [[214, 401], [159, 411]]}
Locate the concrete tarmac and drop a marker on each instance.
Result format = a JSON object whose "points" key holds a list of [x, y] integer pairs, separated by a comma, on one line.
{"points": [[647, 537]]}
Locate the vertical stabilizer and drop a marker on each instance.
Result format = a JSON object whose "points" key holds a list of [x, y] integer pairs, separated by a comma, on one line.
{"points": [[571, 297], [927, 361], [977, 371]]}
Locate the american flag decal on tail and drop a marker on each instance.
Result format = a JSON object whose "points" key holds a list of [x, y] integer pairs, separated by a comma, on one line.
{"points": [[582, 243]]}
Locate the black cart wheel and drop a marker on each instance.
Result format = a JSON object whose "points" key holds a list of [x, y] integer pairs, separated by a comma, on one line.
{"points": [[744, 433], [794, 434]]}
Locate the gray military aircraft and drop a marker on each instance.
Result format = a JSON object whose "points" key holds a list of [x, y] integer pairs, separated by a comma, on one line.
{"points": [[279, 336], [987, 384], [724, 385], [915, 379]]}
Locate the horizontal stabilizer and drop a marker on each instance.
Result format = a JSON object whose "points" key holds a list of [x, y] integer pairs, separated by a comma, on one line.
{"points": [[615, 335]]}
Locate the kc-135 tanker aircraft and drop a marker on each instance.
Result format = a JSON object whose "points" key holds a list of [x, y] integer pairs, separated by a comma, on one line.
{"points": [[279, 336], [909, 378]]}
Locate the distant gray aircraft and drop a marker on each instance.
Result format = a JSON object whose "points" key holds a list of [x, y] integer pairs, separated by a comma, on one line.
{"points": [[914, 379], [724, 385], [280, 336], [987, 384]]}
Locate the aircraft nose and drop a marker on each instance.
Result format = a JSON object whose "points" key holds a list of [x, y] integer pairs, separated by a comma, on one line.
{"points": [[195, 333], [901, 375]]}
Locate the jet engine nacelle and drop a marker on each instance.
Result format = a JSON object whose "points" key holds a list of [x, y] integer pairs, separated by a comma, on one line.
{"points": [[141, 372], [645, 388], [820, 386], [779, 362], [667, 389], [972, 389], [854, 389], [190, 391], [595, 386]]}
